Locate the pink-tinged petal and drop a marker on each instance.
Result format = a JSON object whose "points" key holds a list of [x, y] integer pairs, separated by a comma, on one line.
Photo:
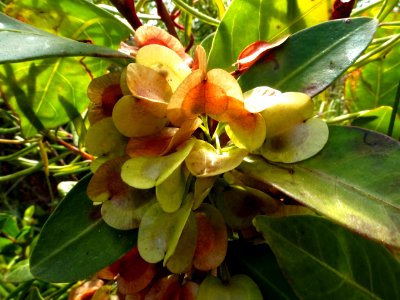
{"points": [[183, 134], [133, 119], [175, 113], [147, 35], [200, 59], [153, 145], [145, 83], [104, 92]]}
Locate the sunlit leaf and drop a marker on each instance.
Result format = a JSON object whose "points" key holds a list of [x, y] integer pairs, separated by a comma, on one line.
{"points": [[353, 180], [42, 44], [348, 266], [75, 242], [270, 20], [49, 92], [311, 59]]}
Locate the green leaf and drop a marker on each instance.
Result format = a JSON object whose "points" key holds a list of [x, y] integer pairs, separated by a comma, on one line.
{"points": [[41, 44], [9, 225], [313, 58], [49, 92], [19, 272], [75, 242], [258, 262], [325, 261], [378, 119], [354, 180], [270, 20]]}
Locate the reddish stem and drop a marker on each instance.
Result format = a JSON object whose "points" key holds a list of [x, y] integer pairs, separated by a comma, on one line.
{"points": [[166, 18], [128, 10]]}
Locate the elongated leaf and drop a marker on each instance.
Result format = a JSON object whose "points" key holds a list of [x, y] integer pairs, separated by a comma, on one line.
{"points": [[354, 180], [41, 44], [324, 261], [49, 92], [75, 242], [313, 58], [247, 21], [258, 262]]}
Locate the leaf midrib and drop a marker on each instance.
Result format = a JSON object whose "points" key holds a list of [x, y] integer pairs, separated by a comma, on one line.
{"points": [[69, 243], [346, 279], [319, 55]]}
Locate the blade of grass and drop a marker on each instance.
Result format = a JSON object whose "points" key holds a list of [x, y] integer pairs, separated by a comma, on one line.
{"points": [[394, 111]]}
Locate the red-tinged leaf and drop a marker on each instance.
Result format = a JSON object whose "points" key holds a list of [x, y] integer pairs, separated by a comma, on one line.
{"points": [[253, 52], [153, 145], [342, 9]]}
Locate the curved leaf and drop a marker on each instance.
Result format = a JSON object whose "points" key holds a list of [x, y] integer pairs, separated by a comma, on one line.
{"points": [[313, 58], [270, 20], [324, 261], [49, 92], [40, 44], [75, 242], [354, 180]]}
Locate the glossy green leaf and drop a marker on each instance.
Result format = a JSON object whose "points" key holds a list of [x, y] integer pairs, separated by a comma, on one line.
{"points": [[270, 20], [325, 261], [41, 44], [354, 180], [48, 92], [313, 58], [260, 264], [75, 242], [378, 119]]}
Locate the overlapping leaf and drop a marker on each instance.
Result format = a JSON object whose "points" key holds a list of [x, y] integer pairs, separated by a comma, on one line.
{"points": [[47, 93], [344, 265], [312, 59], [247, 21], [75, 242], [354, 180]]}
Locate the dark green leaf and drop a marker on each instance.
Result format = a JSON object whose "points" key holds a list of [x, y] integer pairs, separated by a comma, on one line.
{"points": [[313, 58], [378, 119], [354, 180], [40, 44], [247, 21], [75, 242], [260, 264], [324, 261]]}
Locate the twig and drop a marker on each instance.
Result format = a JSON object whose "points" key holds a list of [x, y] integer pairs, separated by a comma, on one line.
{"points": [[128, 10], [166, 18]]}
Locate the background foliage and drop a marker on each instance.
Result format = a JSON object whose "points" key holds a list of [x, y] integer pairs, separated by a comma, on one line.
{"points": [[42, 129]]}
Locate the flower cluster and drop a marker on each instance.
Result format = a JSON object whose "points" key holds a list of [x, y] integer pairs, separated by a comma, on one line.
{"points": [[165, 128]]}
